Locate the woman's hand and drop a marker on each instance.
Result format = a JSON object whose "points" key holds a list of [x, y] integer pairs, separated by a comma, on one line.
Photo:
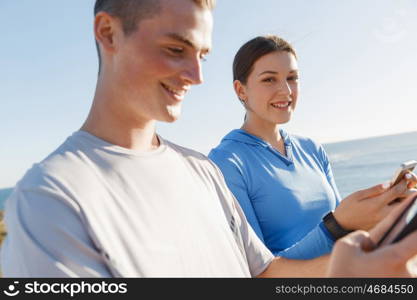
{"points": [[365, 208]]}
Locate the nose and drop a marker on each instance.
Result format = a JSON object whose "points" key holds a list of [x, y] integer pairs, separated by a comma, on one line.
{"points": [[192, 73], [284, 88]]}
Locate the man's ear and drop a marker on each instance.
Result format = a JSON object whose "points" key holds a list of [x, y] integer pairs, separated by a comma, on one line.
{"points": [[105, 29], [240, 90]]}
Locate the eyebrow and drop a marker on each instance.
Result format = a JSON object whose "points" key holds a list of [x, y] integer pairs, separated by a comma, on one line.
{"points": [[186, 41], [275, 72]]}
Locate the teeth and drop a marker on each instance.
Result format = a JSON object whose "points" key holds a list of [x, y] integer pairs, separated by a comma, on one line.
{"points": [[176, 92], [281, 105]]}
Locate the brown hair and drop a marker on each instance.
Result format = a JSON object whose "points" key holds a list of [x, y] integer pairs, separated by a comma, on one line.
{"points": [[254, 49]]}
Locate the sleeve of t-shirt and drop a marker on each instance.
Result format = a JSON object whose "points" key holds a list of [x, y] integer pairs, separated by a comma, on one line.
{"points": [[232, 173], [47, 237], [258, 256], [329, 173]]}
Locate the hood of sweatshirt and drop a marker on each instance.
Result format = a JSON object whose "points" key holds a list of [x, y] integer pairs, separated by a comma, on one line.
{"points": [[241, 136]]}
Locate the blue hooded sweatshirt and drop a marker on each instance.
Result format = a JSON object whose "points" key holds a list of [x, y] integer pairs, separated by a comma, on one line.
{"points": [[284, 197]]}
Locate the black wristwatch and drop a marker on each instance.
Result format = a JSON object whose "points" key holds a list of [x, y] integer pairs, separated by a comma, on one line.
{"points": [[335, 229]]}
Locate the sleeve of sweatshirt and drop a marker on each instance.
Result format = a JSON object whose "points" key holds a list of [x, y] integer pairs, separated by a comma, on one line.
{"points": [[329, 173], [316, 243], [232, 170]]}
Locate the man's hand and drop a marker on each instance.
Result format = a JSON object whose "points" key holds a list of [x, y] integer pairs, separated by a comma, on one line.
{"points": [[355, 255]]}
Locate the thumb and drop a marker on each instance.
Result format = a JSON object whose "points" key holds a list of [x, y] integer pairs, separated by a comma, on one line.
{"points": [[356, 241], [399, 189], [347, 254]]}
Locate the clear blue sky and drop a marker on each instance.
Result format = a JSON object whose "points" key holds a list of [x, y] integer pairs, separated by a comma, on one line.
{"points": [[357, 59]]}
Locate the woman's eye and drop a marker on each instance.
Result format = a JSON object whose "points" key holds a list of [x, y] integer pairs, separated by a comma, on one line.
{"points": [[269, 79], [292, 78]]}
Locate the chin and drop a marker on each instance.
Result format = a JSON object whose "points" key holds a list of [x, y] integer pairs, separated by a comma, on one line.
{"points": [[171, 119], [168, 118], [282, 120], [172, 114]]}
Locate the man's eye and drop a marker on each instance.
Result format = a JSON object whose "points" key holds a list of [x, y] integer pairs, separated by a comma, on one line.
{"points": [[176, 50]]}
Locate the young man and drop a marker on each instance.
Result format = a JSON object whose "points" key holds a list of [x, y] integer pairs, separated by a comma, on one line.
{"points": [[116, 199]]}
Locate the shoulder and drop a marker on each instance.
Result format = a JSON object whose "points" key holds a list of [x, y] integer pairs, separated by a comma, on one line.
{"points": [[310, 147], [224, 154], [39, 202], [198, 162], [234, 151], [56, 164], [306, 144], [187, 153], [304, 141], [61, 175]]}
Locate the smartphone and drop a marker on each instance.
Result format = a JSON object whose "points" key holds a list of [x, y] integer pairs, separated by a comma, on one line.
{"points": [[405, 167], [404, 225]]}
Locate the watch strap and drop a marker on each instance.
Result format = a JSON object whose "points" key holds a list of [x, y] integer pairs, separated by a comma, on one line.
{"points": [[334, 228]]}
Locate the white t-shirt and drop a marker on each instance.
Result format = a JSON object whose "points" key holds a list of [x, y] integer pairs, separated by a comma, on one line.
{"points": [[96, 209]]}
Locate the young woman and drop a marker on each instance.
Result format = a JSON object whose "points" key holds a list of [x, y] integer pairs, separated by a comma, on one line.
{"points": [[283, 182]]}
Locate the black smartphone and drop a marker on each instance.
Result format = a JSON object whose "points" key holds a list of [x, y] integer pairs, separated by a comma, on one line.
{"points": [[404, 225]]}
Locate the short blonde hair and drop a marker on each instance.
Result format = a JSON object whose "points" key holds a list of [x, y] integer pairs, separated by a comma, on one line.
{"points": [[131, 12]]}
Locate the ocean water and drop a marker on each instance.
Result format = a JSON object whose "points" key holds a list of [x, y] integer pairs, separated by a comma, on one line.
{"points": [[363, 163], [4, 193], [356, 164]]}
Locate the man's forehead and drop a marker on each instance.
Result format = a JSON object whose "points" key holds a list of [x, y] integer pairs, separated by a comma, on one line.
{"points": [[188, 22], [199, 43]]}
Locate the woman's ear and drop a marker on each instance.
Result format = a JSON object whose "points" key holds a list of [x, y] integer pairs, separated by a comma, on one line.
{"points": [[240, 90]]}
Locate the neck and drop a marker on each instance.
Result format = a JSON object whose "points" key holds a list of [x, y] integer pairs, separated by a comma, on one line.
{"points": [[112, 122], [267, 131]]}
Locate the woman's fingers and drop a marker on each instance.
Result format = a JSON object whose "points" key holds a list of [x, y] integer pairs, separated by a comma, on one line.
{"points": [[371, 192], [397, 191], [411, 179]]}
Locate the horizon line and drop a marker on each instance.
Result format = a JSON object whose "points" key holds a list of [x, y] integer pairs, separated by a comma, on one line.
{"points": [[369, 137], [324, 143]]}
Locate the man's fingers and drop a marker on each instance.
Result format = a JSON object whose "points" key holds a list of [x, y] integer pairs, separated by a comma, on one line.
{"points": [[404, 249], [379, 230]]}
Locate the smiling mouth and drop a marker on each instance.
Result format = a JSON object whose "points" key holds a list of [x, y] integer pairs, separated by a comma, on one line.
{"points": [[281, 104], [177, 94]]}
